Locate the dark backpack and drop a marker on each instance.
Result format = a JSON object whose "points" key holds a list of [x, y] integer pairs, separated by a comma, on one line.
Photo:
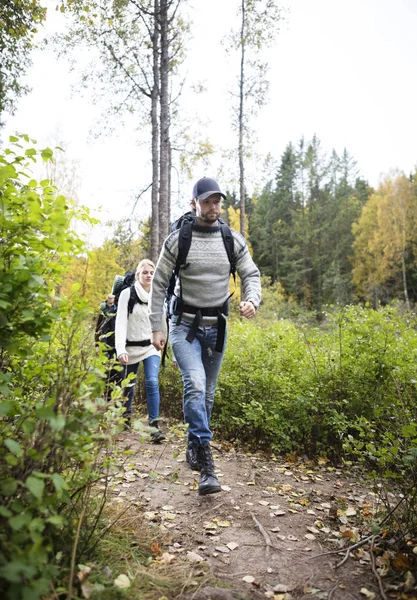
{"points": [[128, 281], [185, 224]]}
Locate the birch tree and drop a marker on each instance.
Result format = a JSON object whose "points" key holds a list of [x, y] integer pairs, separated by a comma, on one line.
{"points": [[258, 25], [138, 44]]}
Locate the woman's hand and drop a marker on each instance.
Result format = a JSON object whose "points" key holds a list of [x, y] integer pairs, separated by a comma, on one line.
{"points": [[123, 359]]}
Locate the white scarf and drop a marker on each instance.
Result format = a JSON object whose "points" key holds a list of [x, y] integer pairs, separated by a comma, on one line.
{"points": [[141, 292]]}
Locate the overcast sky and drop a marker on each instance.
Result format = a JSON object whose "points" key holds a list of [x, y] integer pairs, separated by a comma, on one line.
{"points": [[342, 69]]}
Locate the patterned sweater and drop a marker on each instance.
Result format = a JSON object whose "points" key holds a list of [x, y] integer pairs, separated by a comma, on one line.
{"points": [[205, 279]]}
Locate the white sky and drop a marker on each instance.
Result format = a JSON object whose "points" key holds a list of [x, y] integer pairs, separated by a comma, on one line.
{"points": [[343, 69]]}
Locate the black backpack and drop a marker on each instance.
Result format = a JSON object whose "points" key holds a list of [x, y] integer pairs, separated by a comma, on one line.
{"points": [[185, 225], [128, 281]]}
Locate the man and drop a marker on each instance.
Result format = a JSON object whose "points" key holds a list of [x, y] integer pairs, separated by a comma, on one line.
{"points": [[198, 329]]}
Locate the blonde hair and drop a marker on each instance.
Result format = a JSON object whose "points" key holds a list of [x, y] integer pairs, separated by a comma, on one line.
{"points": [[145, 261]]}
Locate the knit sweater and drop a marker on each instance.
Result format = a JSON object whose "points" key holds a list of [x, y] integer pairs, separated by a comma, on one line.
{"points": [[204, 282], [134, 327]]}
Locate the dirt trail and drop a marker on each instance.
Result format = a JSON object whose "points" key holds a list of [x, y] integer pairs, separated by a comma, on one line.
{"points": [[268, 524]]}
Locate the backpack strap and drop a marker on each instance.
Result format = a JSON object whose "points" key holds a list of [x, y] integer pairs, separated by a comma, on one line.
{"points": [[133, 299], [184, 243], [229, 245]]}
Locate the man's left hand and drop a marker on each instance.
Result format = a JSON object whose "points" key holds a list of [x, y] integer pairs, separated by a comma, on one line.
{"points": [[247, 310]]}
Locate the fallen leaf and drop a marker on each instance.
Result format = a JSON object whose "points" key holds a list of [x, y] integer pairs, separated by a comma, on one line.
{"points": [[248, 579], [223, 523], [168, 507], [263, 502], [149, 515], [232, 545], [155, 548], [313, 530], [367, 593], [166, 558], [209, 525], [310, 536], [350, 512], [223, 549], [226, 488], [281, 588], [194, 557], [401, 562], [122, 582]]}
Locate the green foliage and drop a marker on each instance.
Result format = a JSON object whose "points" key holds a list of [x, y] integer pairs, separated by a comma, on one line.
{"points": [[18, 25], [55, 427], [303, 388], [37, 245], [301, 225]]}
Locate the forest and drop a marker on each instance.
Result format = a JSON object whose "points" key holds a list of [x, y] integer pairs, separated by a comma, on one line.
{"points": [[327, 370]]}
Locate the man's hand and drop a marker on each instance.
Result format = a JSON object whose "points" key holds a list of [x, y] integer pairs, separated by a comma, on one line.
{"points": [[123, 359], [158, 340], [247, 310]]}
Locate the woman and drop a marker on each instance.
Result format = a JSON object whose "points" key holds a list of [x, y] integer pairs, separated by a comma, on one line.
{"points": [[133, 344]]}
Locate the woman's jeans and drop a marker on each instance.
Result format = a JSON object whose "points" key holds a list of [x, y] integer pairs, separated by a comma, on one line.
{"points": [[199, 364], [151, 369]]}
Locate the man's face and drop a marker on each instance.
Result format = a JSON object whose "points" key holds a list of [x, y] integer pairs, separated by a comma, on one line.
{"points": [[110, 300], [208, 210]]}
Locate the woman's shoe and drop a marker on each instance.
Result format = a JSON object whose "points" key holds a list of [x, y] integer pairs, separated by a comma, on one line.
{"points": [[156, 436]]}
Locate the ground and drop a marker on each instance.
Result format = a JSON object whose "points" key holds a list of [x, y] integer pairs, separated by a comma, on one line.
{"points": [[271, 532]]}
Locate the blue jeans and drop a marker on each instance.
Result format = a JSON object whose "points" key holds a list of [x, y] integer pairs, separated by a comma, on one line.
{"points": [[199, 364], [151, 369]]}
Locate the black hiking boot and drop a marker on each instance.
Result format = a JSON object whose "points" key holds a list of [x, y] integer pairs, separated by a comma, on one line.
{"points": [[191, 457], [156, 436], [208, 483]]}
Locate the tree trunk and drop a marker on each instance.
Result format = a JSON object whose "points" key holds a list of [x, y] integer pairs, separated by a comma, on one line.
{"points": [[155, 228], [241, 121], [164, 200]]}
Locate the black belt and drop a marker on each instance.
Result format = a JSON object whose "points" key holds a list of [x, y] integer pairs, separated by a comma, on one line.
{"points": [[141, 343], [220, 312]]}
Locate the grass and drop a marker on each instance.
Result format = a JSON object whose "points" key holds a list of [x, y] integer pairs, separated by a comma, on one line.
{"points": [[139, 550]]}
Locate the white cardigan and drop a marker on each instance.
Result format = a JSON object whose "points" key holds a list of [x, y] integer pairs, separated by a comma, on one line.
{"points": [[134, 327]]}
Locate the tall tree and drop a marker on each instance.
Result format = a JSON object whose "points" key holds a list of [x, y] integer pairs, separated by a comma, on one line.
{"points": [[139, 45], [301, 224], [19, 23], [258, 25], [385, 260]]}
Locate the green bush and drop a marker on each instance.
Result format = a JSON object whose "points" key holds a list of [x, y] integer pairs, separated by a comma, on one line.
{"points": [[55, 428], [301, 388]]}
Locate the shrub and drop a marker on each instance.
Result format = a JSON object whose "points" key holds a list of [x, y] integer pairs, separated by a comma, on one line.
{"points": [[55, 428]]}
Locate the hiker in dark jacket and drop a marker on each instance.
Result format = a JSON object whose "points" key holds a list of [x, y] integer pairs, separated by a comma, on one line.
{"points": [[202, 292], [104, 333]]}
